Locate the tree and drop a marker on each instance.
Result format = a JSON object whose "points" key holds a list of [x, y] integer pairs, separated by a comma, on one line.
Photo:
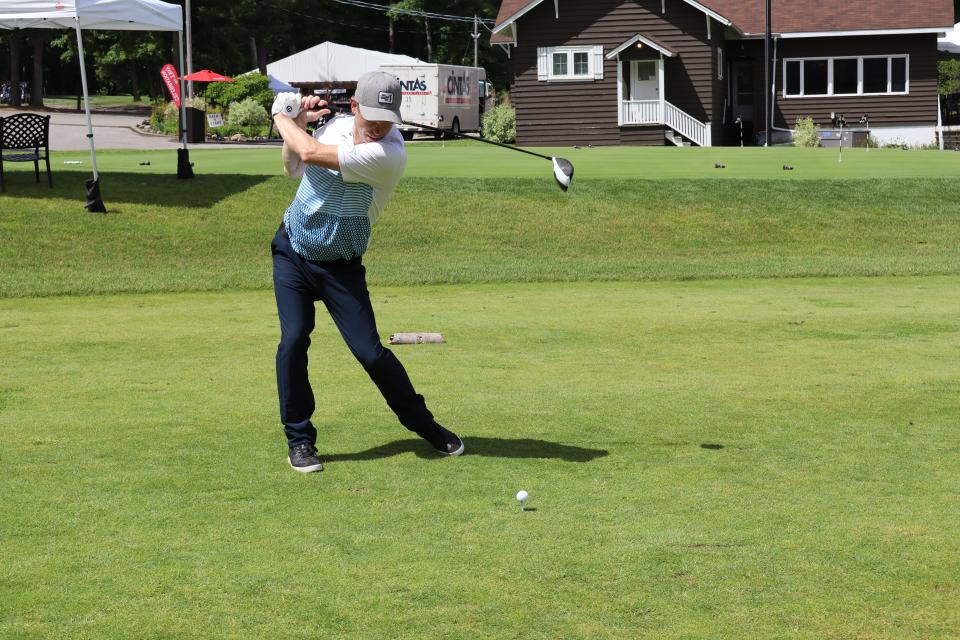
{"points": [[121, 60], [397, 12], [235, 36], [39, 39], [16, 41], [249, 85], [948, 77]]}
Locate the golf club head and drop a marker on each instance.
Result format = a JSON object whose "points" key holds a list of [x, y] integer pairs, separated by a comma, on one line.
{"points": [[563, 172]]}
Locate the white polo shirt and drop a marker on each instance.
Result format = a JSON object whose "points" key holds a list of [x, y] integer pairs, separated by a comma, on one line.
{"points": [[331, 215]]}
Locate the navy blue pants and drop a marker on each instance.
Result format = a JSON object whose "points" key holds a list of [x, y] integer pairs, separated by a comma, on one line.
{"points": [[342, 287]]}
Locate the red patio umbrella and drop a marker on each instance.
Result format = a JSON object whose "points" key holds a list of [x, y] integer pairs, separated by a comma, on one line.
{"points": [[207, 76]]}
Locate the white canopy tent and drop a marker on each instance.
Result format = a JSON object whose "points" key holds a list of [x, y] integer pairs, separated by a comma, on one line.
{"points": [[112, 15], [279, 86], [950, 43], [332, 62]]}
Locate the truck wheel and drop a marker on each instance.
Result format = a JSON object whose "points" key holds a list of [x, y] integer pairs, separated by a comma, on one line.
{"points": [[407, 135], [454, 129]]}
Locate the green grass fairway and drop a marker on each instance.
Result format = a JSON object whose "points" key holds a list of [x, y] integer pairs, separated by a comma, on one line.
{"points": [[97, 101], [213, 232], [464, 159], [765, 459], [731, 393]]}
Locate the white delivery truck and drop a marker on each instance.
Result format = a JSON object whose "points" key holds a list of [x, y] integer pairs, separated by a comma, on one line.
{"points": [[444, 96]]}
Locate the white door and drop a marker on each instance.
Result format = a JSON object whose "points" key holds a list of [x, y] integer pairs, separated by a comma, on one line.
{"points": [[644, 80]]}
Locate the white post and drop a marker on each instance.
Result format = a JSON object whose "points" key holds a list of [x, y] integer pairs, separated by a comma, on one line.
{"points": [[183, 100], [86, 99], [662, 89], [939, 123], [619, 92], [189, 59]]}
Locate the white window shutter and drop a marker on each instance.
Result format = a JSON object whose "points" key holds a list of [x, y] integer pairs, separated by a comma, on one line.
{"points": [[543, 69], [598, 62]]}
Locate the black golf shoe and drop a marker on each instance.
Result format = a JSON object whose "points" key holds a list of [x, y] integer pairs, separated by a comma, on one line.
{"points": [[443, 440], [303, 458]]}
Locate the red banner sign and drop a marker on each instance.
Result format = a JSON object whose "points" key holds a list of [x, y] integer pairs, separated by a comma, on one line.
{"points": [[169, 75]]}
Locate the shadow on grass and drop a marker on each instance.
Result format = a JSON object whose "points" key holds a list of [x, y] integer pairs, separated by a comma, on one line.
{"points": [[489, 447], [202, 191]]}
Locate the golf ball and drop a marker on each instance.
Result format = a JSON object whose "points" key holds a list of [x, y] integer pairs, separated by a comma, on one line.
{"points": [[522, 496]]}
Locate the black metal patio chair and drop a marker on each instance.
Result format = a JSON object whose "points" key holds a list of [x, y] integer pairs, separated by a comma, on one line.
{"points": [[25, 137]]}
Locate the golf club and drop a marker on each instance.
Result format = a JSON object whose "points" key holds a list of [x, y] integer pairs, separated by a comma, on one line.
{"points": [[562, 168]]}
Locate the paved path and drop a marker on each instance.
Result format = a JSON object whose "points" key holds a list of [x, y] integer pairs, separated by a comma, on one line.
{"points": [[68, 132]]}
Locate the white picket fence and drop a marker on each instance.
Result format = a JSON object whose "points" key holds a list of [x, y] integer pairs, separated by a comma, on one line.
{"points": [[649, 112]]}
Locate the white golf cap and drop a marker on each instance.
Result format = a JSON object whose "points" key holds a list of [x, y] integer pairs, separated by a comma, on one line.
{"points": [[378, 94]]}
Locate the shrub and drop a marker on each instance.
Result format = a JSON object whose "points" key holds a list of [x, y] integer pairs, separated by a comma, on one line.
{"points": [[197, 102], [247, 113], [228, 130], [157, 116], [806, 133], [166, 118], [249, 85], [948, 77], [500, 124]]}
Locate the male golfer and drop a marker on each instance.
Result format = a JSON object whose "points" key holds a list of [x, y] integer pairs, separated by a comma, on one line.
{"points": [[348, 171]]}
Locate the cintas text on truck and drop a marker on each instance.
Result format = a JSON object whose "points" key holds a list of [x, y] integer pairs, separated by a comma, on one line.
{"points": [[444, 96]]}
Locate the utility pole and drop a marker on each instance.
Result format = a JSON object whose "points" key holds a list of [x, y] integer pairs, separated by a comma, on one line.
{"points": [[476, 38], [189, 50], [766, 79]]}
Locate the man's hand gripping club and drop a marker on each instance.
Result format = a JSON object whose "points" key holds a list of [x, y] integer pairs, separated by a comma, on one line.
{"points": [[291, 113]]}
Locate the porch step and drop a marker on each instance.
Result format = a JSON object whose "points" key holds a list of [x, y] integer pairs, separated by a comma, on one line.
{"points": [[675, 138], [951, 138]]}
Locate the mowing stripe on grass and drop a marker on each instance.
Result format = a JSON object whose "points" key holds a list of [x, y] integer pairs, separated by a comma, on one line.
{"points": [[213, 232]]}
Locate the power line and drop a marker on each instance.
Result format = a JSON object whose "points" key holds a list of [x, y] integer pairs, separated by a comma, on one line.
{"points": [[365, 27], [411, 12]]}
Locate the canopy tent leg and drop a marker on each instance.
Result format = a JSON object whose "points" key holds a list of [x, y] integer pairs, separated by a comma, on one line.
{"points": [[184, 168], [94, 201]]}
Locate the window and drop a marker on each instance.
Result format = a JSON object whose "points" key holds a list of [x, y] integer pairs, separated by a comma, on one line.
{"points": [[862, 75], [815, 77], [581, 63], [875, 75], [898, 75], [846, 76], [646, 70], [719, 63], [560, 64], [570, 63], [793, 77]]}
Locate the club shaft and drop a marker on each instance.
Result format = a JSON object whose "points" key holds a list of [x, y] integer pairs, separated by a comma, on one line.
{"points": [[466, 137]]}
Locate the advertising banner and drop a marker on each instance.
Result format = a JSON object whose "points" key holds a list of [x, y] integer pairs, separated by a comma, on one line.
{"points": [[169, 75]]}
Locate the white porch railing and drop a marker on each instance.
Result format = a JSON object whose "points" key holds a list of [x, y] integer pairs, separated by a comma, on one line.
{"points": [[686, 125], [649, 112], [641, 112]]}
